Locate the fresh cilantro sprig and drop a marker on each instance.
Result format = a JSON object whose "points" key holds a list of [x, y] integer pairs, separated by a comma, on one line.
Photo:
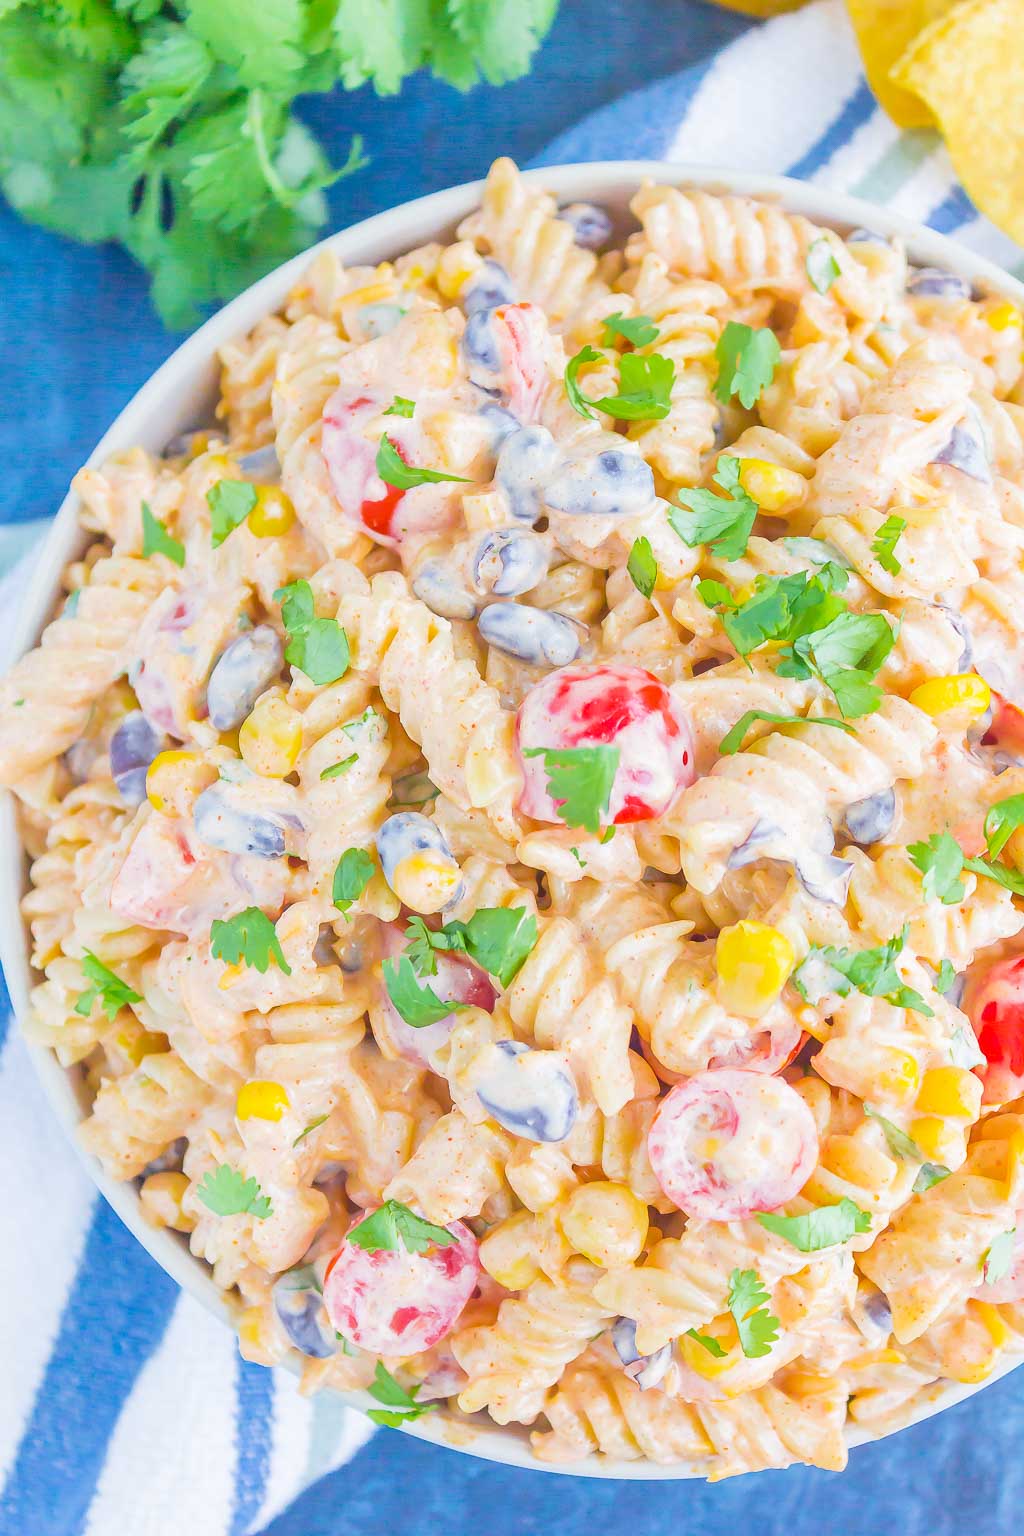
{"points": [[224, 1191], [645, 386], [248, 938], [941, 861], [400, 1406], [580, 781], [748, 1302], [747, 358], [498, 939], [318, 647], [884, 543], [732, 741], [639, 330], [157, 541], [352, 875], [170, 128], [724, 522], [869, 971], [394, 471], [113, 993], [642, 566], [394, 1226], [822, 1227], [230, 502], [417, 1005]]}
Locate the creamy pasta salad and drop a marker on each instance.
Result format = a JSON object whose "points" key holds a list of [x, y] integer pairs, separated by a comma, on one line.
{"points": [[527, 819]]}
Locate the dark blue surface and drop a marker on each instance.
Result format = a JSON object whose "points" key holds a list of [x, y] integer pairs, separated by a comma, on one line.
{"points": [[77, 337]]}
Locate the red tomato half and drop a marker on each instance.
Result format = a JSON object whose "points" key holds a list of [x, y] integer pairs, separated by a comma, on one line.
{"points": [[609, 705], [351, 460], [996, 1009], [394, 1302], [726, 1144]]}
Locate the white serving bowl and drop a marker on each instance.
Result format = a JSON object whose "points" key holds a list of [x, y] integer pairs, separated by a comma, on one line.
{"points": [[180, 395]]}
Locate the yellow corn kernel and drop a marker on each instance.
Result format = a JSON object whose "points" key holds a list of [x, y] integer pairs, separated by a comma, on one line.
{"points": [[966, 693], [899, 1078], [252, 1335], [426, 881], [140, 1043], [270, 739], [457, 264], [773, 488], [175, 779], [231, 974], [1005, 317], [701, 1360], [506, 1255], [951, 1091], [939, 1141], [161, 1196], [873, 1357], [272, 514], [605, 1222], [261, 1101], [753, 962], [373, 293], [992, 1321]]}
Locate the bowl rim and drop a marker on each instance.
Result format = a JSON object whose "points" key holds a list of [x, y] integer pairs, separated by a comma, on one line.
{"points": [[187, 373]]}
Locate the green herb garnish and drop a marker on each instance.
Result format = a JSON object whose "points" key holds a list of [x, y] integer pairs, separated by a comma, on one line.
{"points": [[248, 938]]}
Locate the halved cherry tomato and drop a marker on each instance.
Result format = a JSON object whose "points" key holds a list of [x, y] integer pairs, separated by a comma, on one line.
{"points": [[995, 1006], [351, 459], [608, 705], [393, 1302], [726, 1144]]}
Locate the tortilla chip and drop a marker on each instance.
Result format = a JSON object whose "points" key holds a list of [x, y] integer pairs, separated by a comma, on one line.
{"points": [[762, 8], [969, 69], [885, 30]]}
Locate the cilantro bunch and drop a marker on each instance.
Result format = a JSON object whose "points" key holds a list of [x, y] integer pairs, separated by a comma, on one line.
{"points": [[167, 125]]}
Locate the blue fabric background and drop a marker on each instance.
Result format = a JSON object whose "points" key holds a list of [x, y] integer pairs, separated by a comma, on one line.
{"points": [[77, 337]]}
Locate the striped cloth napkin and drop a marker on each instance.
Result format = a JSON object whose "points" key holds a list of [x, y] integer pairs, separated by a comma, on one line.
{"points": [[125, 1407]]}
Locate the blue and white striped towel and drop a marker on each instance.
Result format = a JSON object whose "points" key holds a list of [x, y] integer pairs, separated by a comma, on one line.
{"points": [[124, 1406]]}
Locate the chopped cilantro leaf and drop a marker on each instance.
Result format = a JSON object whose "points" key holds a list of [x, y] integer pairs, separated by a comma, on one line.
{"points": [[707, 1342], [724, 522], [418, 1006], [819, 1228], [640, 330], [998, 1259], [400, 1406], [820, 265], [749, 1304], [400, 406], [900, 1144], [230, 502], [870, 971], [884, 543], [940, 860], [248, 938], [394, 471], [928, 1175], [747, 359], [580, 781], [393, 1226], [645, 386], [351, 877], [113, 993], [945, 977], [307, 1129], [157, 541], [732, 741], [317, 647], [338, 768], [642, 566], [224, 1192], [1001, 821]]}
